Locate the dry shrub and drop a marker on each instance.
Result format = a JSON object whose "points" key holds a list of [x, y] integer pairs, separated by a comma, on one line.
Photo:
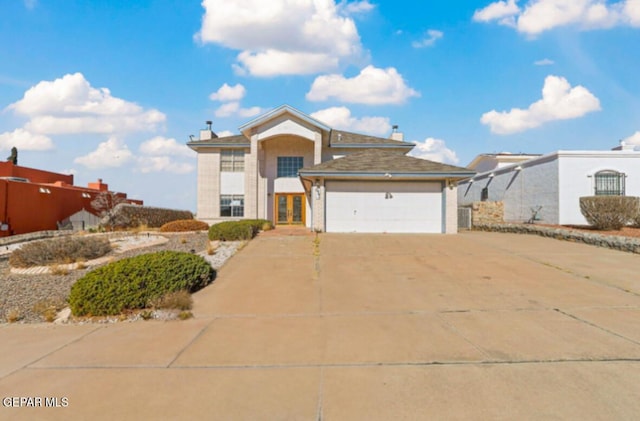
{"points": [[184, 225], [13, 315], [59, 251], [48, 308], [178, 300], [609, 213], [58, 270]]}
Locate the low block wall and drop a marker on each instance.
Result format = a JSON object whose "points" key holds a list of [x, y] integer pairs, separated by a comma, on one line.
{"points": [[631, 245]]}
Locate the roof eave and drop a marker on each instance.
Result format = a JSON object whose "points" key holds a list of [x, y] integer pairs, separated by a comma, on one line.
{"points": [[389, 174]]}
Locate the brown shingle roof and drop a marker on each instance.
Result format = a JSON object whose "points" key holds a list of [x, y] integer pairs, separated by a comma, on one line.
{"points": [[379, 161], [339, 138]]}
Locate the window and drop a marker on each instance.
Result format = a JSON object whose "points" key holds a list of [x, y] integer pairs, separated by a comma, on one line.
{"points": [[484, 194], [609, 183], [232, 205], [232, 160], [288, 166]]}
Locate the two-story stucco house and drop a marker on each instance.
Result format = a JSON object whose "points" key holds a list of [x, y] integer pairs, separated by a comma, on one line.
{"points": [[290, 168]]}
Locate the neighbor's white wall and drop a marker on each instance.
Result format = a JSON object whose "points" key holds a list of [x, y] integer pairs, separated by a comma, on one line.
{"points": [[576, 179], [534, 185]]}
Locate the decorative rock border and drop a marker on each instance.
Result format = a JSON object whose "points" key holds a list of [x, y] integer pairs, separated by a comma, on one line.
{"points": [[615, 242], [120, 245]]}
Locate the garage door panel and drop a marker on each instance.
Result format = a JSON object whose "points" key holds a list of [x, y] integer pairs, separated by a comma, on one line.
{"points": [[390, 206]]}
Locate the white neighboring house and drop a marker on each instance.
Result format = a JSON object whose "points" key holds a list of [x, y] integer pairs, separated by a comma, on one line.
{"points": [[289, 168], [552, 184]]}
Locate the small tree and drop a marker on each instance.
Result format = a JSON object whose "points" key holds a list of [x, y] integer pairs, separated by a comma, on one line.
{"points": [[105, 204]]}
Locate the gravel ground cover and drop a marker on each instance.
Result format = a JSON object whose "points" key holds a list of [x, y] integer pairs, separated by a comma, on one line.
{"points": [[19, 294]]}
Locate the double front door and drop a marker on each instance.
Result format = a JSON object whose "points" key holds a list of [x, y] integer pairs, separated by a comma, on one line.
{"points": [[290, 208]]}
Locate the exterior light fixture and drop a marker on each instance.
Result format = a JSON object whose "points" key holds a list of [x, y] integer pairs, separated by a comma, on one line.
{"points": [[492, 175], [518, 168]]}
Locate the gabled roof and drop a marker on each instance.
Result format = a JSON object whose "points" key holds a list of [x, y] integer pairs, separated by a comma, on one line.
{"points": [[380, 162], [283, 109], [339, 138]]}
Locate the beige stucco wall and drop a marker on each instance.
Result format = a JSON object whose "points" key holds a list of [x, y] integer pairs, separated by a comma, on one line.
{"points": [[451, 209], [208, 207], [270, 150]]}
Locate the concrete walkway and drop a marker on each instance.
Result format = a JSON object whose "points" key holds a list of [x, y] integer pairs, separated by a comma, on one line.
{"points": [[359, 327]]}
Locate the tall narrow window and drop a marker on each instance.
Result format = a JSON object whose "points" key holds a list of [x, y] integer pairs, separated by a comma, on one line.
{"points": [[232, 205], [288, 166], [232, 160], [609, 183], [484, 194]]}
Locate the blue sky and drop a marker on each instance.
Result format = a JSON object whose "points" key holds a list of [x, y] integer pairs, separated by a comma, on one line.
{"points": [[113, 90]]}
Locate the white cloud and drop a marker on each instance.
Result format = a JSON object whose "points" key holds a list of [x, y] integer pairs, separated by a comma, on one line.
{"points": [[340, 118], [634, 139], [304, 36], [233, 109], [434, 150], [162, 146], [147, 164], [371, 86], [225, 133], [229, 93], [71, 105], [112, 153], [269, 63], [356, 7], [429, 40], [544, 62], [25, 140], [559, 102], [502, 11], [538, 16]]}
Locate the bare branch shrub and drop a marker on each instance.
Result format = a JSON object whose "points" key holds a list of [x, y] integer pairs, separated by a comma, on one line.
{"points": [[609, 212]]}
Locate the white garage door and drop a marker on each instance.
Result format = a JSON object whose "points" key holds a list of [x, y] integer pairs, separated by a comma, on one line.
{"points": [[384, 206]]}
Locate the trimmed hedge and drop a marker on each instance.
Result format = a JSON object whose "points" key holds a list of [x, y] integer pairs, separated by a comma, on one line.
{"points": [[59, 251], [184, 225], [609, 212], [135, 282], [244, 229]]}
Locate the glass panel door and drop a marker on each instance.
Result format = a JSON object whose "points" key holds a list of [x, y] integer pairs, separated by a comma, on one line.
{"points": [[296, 210], [283, 209], [290, 208]]}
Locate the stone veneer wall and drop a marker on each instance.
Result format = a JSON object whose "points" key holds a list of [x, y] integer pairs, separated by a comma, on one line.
{"points": [[487, 213], [627, 244]]}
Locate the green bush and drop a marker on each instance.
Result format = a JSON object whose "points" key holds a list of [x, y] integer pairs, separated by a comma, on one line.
{"points": [[136, 282], [244, 229], [609, 212], [184, 225], [231, 231], [59, 251]]}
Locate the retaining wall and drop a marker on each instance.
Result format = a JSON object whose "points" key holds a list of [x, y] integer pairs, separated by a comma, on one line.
{"points": [[631, 245]]}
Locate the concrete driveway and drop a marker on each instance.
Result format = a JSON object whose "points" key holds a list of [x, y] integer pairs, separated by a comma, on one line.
{"points": [[360, 327]]}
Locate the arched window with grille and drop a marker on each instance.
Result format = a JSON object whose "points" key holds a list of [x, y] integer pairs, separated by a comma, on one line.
{"points": [[609, 183]]}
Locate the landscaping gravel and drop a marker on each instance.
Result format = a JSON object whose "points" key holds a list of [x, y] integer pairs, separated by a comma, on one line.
{"points": [[20, 293]]}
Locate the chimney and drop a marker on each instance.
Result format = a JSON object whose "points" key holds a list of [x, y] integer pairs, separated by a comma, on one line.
{"points": [[396, 135], [207, 134]]}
